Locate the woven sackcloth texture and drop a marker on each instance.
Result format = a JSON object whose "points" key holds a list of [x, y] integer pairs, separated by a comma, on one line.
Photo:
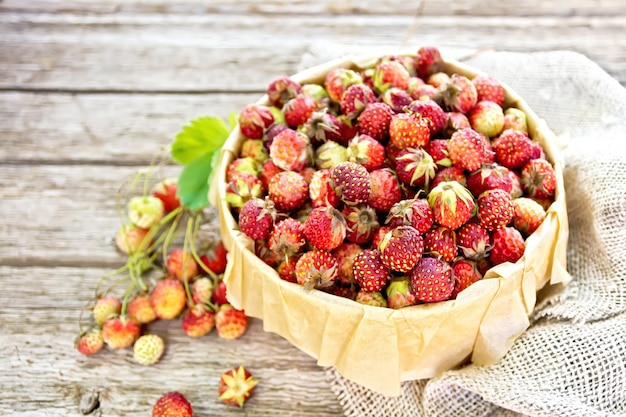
{"points": [[572, 360]]}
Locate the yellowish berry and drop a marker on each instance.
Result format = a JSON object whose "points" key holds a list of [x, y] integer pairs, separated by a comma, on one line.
{"points": [[148, 349]]}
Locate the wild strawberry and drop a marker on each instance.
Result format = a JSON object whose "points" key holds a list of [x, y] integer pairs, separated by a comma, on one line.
{"points": [[242, 188], [290, 150], [508, 246], [90, 342], [396, 98], [168, 299], [268, 170], [129, 239], [287, 237], [181, 265], [167, 192], [220, 293], [512, 149], [415, 167], [399, 293], [473, 241], [354, 100], [489, 177], [451, 203], [369, 271], [430, 110], [515, 119], [345, 291], [401, 248], [286, 268], [466, 148], [272, 132], [414, 81], [438, 150], [230, 322], [172, 404], [325, 228], [411, 212], [321, 127], [348, 127], [145, 211], [254, 119], [255, 149], [424, 91], [120, 332], [236, 386], [436, 79], [538, 178], [288, 190], [316, 92], [495, 209], [148, 349], [202, 290], [516, 184], [320, 191], [428, 61], [432, 280], [465, 273], [140, 309], [528, 215], [455, 121], [386, 190], [316, 269], [375, 299], [298, 110], [198, 321], [351, 182], [408, 62], [345, 254], [257, 217], [388, 74], [367, 151], [487, 118], [489, 88], [281, 90], [214, 259], [440, 242], [409, 130], [380, 234], [459, 94], [453, 173], [329, 154], [106, 307], [374, 121], [338, 80], [361, 222], [242, 165]]}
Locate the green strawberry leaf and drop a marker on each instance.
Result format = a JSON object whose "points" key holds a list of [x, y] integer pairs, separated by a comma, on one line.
{"points": [[193, 182], [199, 137]]}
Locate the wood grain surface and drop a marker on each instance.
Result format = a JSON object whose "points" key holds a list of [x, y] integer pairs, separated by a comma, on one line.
{"points": [[91, 92]]}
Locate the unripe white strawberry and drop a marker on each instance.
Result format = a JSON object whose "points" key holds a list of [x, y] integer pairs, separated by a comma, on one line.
{"points": [[145, 211], [148, 349]]}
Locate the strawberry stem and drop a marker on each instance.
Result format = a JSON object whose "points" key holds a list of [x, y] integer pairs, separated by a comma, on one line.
{"points": [[194, 252]]}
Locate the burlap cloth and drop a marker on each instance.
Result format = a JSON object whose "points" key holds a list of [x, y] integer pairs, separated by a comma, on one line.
{"points": [[572, 360]]}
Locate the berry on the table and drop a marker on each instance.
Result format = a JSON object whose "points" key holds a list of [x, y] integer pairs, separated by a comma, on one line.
{"points": [[148, 349], [230, 322], [198, 321], [140, 309], [120, 332], [236, 386], [90, 342], [180, 264], [168, 299], [172, 404], [106, 307]]}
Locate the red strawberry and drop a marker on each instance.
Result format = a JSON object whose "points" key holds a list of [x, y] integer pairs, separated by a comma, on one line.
{"points": [[254, 119], [473, 240], [380, 234], [455, 121], [512, 149], [367, 151], [281, 90], [316, 269], [140, 309], [325, 228], [198, 321], [538, 178], [321, 127], [351, 182], [290, 150], [361, 222], [489, 177], [120, 332], [230, 323], [515, 119], [374, 299], [432, 280], [451, 203], [428, 61], [268, 170], [396, 98], [181, 265], [338, 80], [168, 299], [415, 167], [330, 154], [202, 290], [298, 110], [106, 307], [423, 91], [528, 215], [374, 120], [287, 238], [465, 273], [320, 191], [438, 150], [399, 293], [242, 188], [459, 94], [172, 404], [90, 342], [369, 271], [354, 100], [411, 212], [215, 259], [167, 192], [288, 190], [437, 79], [508, 246], [145, 211], [467, 150], [441, 242], [489, 88], [429, 109], [257, 217], [516, 184], [236, 386], [286, 268], [345, 254], [401, 248], [385, 190], [348, 127], [255, 149], [495, 209], [453, 173], [409, 130], [388, 74], [487, 118]]}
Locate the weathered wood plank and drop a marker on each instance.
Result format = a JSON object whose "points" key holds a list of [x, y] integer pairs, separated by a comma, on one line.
{"points": [[124, 129], [217, 53]]}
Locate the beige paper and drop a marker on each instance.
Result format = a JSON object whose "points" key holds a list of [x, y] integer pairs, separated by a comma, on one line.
{"points": [[379, 347]]}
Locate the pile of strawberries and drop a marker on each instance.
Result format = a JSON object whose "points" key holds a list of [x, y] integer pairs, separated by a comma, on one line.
{"points": [[392, 185]]}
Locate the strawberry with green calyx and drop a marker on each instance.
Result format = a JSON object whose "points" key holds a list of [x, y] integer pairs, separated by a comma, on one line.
{"points": [[459, 94], [257, 217], [386, 190], [321, 127], [325, 228], [236, 386], [298, 110], [453, 173], [287, 238], [281, 90], [242, 165], [538, 178], [441, 242], [361, 222], [489, 177], [438, 150], [432, 280], [145, 211], [320, 191], [316, 269], [466, 149], [451, 203], [401, 248], [330, 154], [495, 209], [374, 121], [409, 130], [369, 271], [172, 404], [390, 74], [396, 98], [148, 349], [487, 118], [351, 182], [198, 321], [455, 121], [168, 299], [512, 149], [345, 254], [288, 190], [167, 191], [140, 309], [337, 80], [242, 188], [473, 241], [90, 342], [415, 167], [374, 299], [399, 293], [230, 322], [367, 151], [527, 215], [488, 88], [354, 100], [465, 273], [254, 119], [120, 332], [254, 149], [508, 246]]}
